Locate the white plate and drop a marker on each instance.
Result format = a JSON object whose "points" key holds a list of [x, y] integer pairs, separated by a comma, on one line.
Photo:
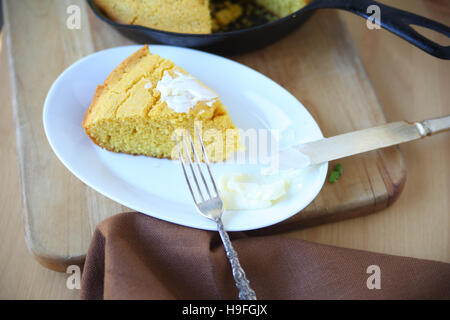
{"points": [[156, 186]]}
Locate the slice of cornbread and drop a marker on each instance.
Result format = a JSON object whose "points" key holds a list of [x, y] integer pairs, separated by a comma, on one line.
{"points": [[128, 115], [184, 16]]}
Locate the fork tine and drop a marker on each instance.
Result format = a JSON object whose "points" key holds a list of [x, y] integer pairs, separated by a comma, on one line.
{"points": [[184, 170], [197, 160], [205, 156], [191, 165]]}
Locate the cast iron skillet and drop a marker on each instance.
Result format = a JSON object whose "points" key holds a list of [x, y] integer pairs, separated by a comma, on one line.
{"points": [[394, 20]]}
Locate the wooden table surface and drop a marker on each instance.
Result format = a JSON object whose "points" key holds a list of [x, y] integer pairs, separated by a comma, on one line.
{"points": [[410, 85]]}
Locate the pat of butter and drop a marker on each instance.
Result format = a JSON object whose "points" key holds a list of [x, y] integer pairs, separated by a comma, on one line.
{"points": [[242, 191], [183, 92]]}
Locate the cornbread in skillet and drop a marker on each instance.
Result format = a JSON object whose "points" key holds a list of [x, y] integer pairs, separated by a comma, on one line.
{"points": [[190, 16], [282, 8], [185, 16], [128, 113]]}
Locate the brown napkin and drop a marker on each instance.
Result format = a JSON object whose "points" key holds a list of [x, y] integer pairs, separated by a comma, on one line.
{"points": [[134, 256]]}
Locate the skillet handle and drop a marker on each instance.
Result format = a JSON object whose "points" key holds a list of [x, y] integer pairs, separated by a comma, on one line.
{"points": [[395, 20]]}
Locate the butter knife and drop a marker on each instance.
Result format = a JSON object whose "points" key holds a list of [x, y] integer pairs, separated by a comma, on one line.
{"points": [[382, 136]]}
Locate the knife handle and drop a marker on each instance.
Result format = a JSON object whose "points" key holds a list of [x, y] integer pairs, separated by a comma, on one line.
{"points": [[433, 126]]}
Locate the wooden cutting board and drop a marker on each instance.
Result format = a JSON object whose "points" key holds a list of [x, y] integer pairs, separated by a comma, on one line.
{"points": [[317, 63]]}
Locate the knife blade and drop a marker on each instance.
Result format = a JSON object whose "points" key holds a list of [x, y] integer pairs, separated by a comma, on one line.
{"points": [[382, 136]]}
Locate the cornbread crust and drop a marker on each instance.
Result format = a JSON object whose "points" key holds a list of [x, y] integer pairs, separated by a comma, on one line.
{"points": [[113, 75], [140, 123], [184, 16], [283, 8], [98, 92]]}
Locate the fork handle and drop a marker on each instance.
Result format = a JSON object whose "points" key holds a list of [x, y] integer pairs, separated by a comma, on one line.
{"points": [[245, 292]]}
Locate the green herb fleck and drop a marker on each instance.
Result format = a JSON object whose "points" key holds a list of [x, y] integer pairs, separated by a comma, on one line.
{"points": [[339, 169], [336, 173]]}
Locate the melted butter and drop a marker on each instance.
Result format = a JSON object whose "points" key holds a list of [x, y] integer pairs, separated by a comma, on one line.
{"points": [[241, 191], [183, 92]]}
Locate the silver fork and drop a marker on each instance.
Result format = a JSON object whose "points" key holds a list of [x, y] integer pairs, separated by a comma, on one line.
{"points": [[212, 208]]}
